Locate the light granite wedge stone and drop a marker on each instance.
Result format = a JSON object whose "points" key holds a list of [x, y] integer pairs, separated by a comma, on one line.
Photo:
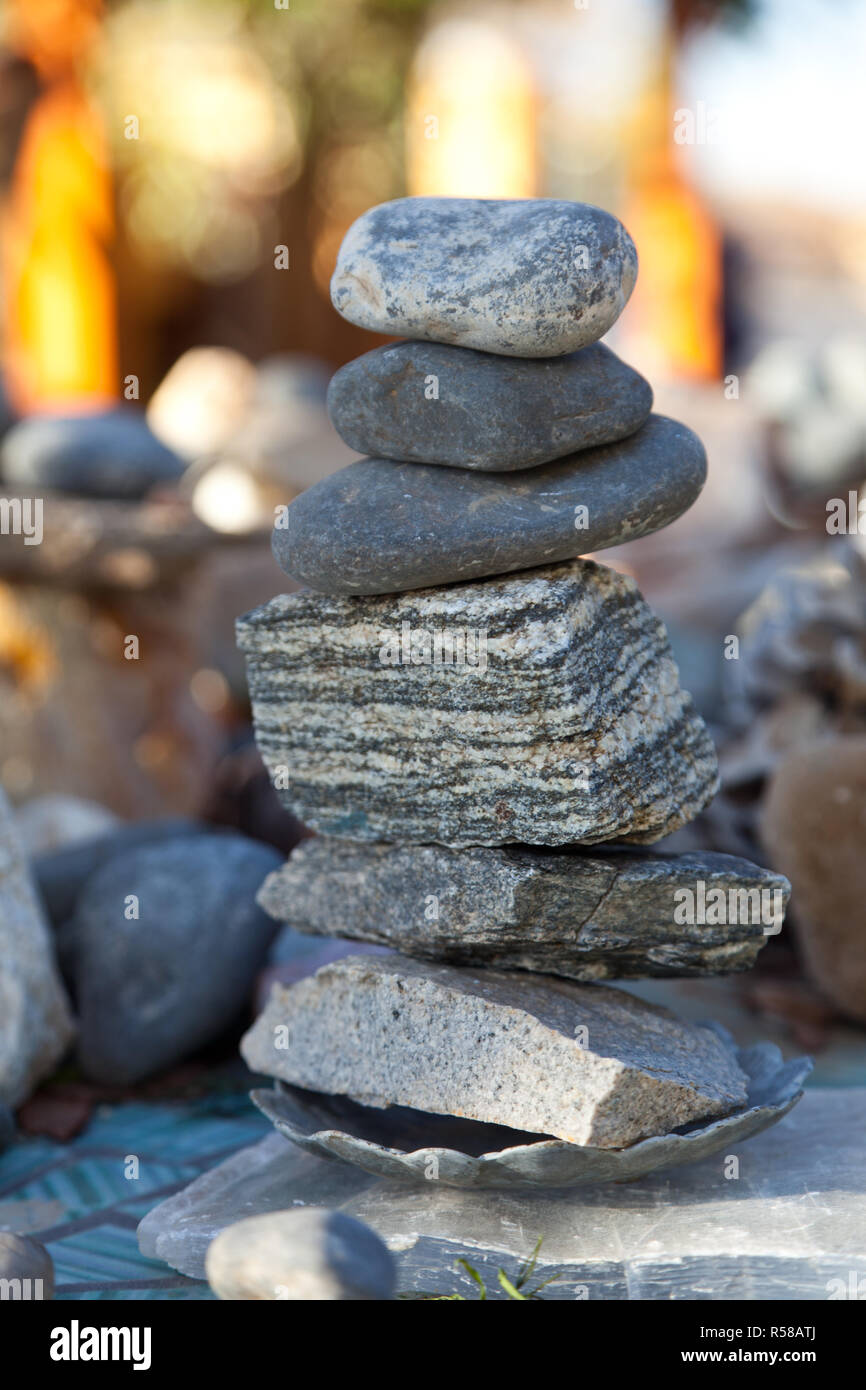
{"points": [[605, 916], [792, 1227], [36, 1025], [565, 724], [430, 403], [531, 277], [414, 1146], [380, 527], [584, 1063]]}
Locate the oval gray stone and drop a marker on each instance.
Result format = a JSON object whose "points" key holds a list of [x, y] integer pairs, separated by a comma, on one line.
{"points": [[488, 412], [532, 277], [307, 1254], [113, 454], [380, 527], [154, 987]]}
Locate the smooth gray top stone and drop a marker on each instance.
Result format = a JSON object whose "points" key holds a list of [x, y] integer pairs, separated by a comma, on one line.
{"points": [[381, 527], [532, 277], [573, 729], [113, 454], [602, 916], [153, 988], [488, 412], [665, 1236], [500, 1048], [36, 1024], [308, 1254]]}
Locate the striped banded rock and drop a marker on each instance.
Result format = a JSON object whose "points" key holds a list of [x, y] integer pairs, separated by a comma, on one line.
{"points": [[558, 718]]}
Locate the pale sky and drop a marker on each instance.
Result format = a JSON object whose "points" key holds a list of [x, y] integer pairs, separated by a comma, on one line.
{"points": [[790, 91]]}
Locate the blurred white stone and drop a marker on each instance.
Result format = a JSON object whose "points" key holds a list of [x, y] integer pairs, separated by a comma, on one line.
{"points": [[781, 379], [202, 400], [53, 821], [844, 364], [820, 443], [229, 499]]}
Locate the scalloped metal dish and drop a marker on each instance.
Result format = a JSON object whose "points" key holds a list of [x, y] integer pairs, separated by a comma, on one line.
{"points": [[412, 1146]]}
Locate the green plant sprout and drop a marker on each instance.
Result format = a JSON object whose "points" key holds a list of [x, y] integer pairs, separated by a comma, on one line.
{"points": [[515, 1289]]}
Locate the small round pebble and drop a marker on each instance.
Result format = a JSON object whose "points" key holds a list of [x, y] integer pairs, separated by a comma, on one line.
{"points": [[309, 1254]]}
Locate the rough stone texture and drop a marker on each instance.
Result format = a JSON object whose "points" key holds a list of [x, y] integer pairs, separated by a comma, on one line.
{"points": [[488, 412], [494, 1047], [575, 729], [29, 1263], [113, 455], [527, 277], [310, 1255], [792, 1227], [35, 1022], [589, 917], [414, 1146], [382, 527], [152, 989], [813, 825]]}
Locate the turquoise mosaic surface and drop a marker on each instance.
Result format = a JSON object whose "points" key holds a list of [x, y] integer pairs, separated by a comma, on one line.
{"points": [[84, 1199]]}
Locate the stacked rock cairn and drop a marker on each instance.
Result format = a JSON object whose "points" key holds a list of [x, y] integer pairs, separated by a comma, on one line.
{"points": [[468, 714]]}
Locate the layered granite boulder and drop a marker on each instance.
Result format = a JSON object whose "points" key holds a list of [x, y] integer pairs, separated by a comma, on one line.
{"points": [[541, 708], [430, 403], [523, 277], [609, 915], [380, 527], [584, 1063]]}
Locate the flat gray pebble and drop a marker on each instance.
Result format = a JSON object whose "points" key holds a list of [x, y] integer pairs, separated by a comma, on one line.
{"points": [[381, 527], [111, 455], [429, 403]]}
